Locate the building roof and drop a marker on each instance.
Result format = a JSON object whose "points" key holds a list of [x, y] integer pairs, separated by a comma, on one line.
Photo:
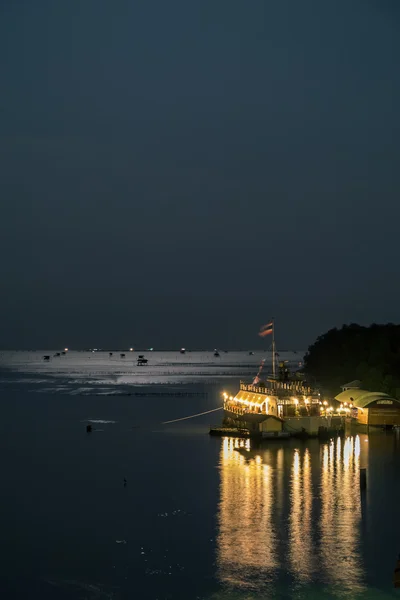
{"points": [[362, 398], [256, 417], [356, 383]]}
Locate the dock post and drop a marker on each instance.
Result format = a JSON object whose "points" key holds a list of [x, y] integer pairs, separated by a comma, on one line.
{"points": [[363, 479]]}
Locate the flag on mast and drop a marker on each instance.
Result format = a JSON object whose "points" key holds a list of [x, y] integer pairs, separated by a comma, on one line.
{"points": [[257, 378], [266, 329]]}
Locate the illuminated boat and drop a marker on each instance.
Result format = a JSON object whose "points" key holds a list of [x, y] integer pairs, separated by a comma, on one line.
{"points": [[277, 404], [264, 407]]}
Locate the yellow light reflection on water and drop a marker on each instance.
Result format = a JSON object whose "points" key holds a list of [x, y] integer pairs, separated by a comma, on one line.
{"points": [[357, 447], [296, 510], [280, 458], [340, 516], [300, 539], [247, 540], [338, 449]]}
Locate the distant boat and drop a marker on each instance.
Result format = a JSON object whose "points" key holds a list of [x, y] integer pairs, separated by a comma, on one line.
{"points": [[216, 353], [122, 355], [141, 360], [182, 350], [251, 353]]}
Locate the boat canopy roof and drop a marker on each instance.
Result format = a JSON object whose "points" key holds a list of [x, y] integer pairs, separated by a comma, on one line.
{"points": [[252, 397]]}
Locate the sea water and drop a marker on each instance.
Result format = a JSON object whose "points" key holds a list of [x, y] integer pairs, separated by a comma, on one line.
{"points": [[138, 509]]}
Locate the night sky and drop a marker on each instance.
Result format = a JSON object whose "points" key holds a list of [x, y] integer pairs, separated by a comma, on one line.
{"points": [[177, 172]]}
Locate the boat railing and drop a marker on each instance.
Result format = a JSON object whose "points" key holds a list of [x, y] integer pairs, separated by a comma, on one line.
{"points": [[248, 387], [279, 386]]}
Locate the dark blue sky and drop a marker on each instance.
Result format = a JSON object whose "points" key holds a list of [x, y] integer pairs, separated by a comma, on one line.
{"points": [[177, 172]]}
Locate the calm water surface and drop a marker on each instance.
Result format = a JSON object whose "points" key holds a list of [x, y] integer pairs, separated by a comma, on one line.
{"points": [[199, 518]]}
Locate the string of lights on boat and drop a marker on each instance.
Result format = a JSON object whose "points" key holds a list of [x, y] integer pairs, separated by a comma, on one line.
{"points": [[342, 409]]}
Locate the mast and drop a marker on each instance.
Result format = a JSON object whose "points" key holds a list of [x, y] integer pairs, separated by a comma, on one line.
{"points": [[273, 348]]}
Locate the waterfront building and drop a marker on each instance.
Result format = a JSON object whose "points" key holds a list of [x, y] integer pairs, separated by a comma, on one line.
{"points": [[373, 409]]}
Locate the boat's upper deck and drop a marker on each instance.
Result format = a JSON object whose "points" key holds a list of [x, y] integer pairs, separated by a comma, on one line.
{"points": [[278, 388], [274, 398]]}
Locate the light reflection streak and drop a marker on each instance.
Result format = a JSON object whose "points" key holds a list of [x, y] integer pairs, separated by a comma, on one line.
{"points": [[246, 544], [279, 481], [300, 534], [340, 516], [313, 489]]}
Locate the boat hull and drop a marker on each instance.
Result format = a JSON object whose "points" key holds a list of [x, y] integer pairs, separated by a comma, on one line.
{"points": [[275, 435]]}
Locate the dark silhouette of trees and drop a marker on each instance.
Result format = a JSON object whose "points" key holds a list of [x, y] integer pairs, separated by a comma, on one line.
{"points": [[370, 354]]}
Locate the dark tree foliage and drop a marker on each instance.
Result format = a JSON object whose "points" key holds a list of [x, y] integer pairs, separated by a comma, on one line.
{"points": [[371, 354]]}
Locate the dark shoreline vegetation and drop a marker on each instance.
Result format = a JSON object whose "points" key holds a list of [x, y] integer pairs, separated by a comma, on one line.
{"points": [[370, 354]]}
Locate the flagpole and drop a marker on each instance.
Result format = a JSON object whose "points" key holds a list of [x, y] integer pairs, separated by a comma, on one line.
{"points": [[273, 348]]}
